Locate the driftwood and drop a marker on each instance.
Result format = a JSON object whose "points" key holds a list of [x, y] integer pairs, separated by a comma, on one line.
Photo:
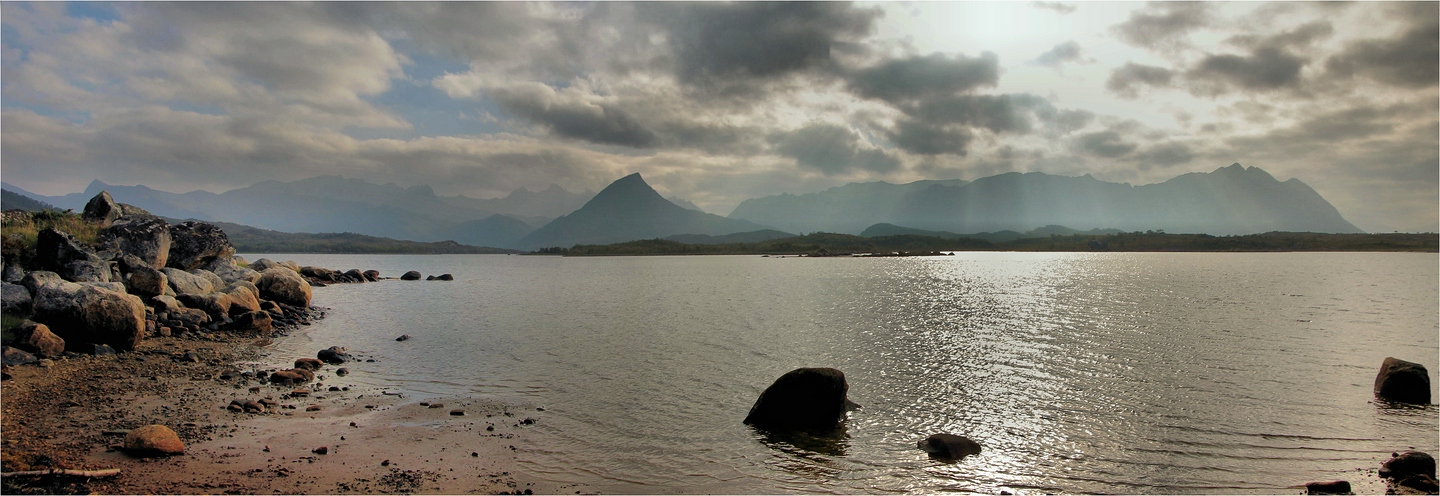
{"points": [[109, 472]]}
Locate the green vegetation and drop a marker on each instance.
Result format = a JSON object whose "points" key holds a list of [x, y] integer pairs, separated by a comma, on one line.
{"points": [[253, 240], [21, 230], [1151, 241]]}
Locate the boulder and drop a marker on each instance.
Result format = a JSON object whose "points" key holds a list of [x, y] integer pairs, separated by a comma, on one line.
{"points": [[354, 275], [187, 317], [215, 281], [144, 280], [430, 278], [146, 238], [103, 209], [36, 338], [12, 356], [290, 264], [230, 272], [253, 321], [34, 280], [216, 305], [194, 245], [1328, 487], [86, 271], [56, 249], [949, 446], [1403, 382], [320, 273], [1403, 465], [284, 286], [112, 286], [334, 354], [12, 274], [445, 277], [403, 337], [371, 275], [165, 303], [308, 364], [410, 276], [83, 314], [292, 376], [186, 283], [153, 440], [244, 297], [14, 299], [263, 264], [805, 399]]}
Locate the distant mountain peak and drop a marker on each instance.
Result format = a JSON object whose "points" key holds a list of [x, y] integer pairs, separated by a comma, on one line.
{"points": [[95, 187]]}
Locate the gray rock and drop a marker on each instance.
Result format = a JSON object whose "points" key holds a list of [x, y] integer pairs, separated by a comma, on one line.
{"points": [[354, 275], [231, 272], [216, 305], [103, 209], [81, 314], [253, 321], [146, 238], [12, 274], [320, 273], [16, 299], [55, 249], [371, 275], [410, 276], [112, 286], [284, 286], [34, 280], [86, 271], [949, 446], [445, 277], [144, 280], [12, 356], [244, 297], [190, 317], [262, 264], [215, 281], [186, 283], [164, 303], [194, 245], [334, 354]]}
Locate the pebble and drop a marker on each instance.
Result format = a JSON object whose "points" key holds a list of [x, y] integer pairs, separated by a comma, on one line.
{"points": [[312, 408], [437, 405], [321, 450], [457, 412]]}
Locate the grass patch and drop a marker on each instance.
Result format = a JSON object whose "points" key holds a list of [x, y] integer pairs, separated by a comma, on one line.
{"points": [[19, 233]]}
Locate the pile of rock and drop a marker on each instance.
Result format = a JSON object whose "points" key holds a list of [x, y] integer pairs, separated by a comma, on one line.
{"points": [[149, 278]]}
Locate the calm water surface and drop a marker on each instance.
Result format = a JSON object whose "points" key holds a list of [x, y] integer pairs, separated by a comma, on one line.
{"points": [[1128, 373]]}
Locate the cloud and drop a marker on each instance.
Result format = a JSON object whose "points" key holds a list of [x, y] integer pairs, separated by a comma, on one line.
{"points": [[832, 150], [1300, 37], [935, 75], [1106, 144], [719, 45], [1062, 53], [1265, 69], [1127, 80], [1408, 60], [1163, 25], [571, 112], [997, 113], [930, 139], [1058, 7], [1165, 155]]}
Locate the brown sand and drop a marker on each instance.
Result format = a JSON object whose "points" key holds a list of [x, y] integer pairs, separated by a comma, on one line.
{"points": [[71, 414]]}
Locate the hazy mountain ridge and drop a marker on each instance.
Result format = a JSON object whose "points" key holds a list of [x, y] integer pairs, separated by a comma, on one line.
{"points": [[10, 200], [849, 208], [629, 209], [883, 229], [1229, 200]]}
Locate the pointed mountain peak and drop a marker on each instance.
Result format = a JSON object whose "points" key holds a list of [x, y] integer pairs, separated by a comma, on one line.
{"points": [[95, 187], [630, 184]]}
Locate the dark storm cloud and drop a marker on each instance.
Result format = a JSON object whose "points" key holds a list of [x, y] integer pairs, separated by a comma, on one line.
{"points": [[832, 150], [930, 139], [1408, 60], [1165, 155], [1107, 144], [934, 75], [1059, 7], [1127, 80], [1065, 52], [997, 113], [717, 43], [1265, 69], [1299, 37], [571, 118], [1067, 121], [1162, 25]]}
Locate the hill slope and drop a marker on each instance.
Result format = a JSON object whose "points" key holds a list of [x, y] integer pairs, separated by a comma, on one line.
{"points": [[629, 209]]}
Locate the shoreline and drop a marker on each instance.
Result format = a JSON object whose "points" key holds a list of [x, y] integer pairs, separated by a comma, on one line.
{"points": [[72, 415]]}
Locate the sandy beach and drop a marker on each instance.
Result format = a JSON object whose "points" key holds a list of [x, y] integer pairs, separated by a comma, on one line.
{"points": [[73, 414]]}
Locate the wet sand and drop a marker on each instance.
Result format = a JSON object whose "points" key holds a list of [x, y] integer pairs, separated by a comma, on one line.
{"points": [[72, 414]]}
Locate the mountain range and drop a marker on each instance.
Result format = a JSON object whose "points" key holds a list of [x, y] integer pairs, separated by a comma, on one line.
{"points": [[1229, 200]]}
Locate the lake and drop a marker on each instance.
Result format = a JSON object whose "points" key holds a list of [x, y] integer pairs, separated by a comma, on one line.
{"points": [[1077, 372]]}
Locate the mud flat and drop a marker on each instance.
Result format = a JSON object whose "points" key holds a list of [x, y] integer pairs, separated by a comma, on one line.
{"points": [[73, 412]]}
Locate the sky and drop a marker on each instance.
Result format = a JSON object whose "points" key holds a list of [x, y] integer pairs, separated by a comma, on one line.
{"points": [[720, 102]]}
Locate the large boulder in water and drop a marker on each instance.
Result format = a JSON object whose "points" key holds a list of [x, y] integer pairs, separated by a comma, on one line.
{"points": [[805, 399], [1409, 463], [194, 245], [334, 354], [410, 276], [949, 446], [284, 286], [1403, 382], [83, 314], [153, 440], [36, 338], [146, 238]]}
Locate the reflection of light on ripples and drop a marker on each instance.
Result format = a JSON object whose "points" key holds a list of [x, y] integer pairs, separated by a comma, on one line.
{"points": [[1101, 373]]}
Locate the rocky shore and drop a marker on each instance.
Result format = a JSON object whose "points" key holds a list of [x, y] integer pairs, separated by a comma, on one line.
{"points": [[148, 324]]}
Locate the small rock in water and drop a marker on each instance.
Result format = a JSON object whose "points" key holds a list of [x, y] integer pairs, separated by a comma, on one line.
{"points": [[342, 371], [949, 446], [403, 337], [321, 450], [385, 463], [334, 388], [1328, 487]]}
